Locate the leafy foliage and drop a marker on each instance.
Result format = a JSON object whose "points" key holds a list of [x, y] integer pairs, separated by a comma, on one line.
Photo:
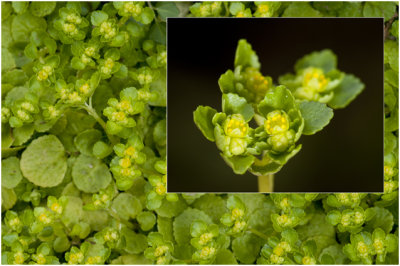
{"points": [[282, 112], [82, 185]]}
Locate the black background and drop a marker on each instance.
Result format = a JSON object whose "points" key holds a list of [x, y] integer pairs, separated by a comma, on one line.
{"points": [[347, 156]]}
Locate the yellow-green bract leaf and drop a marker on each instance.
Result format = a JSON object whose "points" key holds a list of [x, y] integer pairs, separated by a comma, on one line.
{"points": [[316, 116], [41, 9], [8, 198], [167, 9], [239, 164], [44, 162], [23, 134], [234, 104], [10, 172], [85, 141], [245, 56], [183, 222], [126, 206], [246, 248], [346, 92], [90, 174], [203, 119], [98, 17], [324, 59]]}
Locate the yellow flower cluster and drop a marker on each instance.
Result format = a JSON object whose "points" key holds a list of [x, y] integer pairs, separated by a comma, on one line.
{"points": [[44, 73]]}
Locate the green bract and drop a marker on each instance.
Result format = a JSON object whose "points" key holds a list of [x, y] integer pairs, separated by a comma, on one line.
{"points": [[317, 79], [84, 164]]}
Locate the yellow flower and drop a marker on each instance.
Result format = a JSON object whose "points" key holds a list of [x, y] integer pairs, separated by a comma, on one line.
{"points": [[276, 122]]}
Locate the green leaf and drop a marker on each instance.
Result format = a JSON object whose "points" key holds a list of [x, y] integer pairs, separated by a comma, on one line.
{"points": [[245, 56], [98, 17], [134, 243], [146, 220], [346, 92], [226, 257], [203, 119], [78, 122], [23, 134], [41, 9], [183, 222], [73, 211], [85, 141], [325, 59], [23, 25], [127, 206], [167, 9], [391, 54], [171, 209], [394, 30], [10, 172], [316, 116], [234, 104], [332, 254], [382, 219], [246, 248], [90, 174], [8, 198], [379, 9], [319, 230], [7, 60], [16, 77], [212, 205], [158, 32], [301, 9], [164, 227], [279, 98], [20, 7], [43, 162], [159, 87], [61, 244], [239, 164], [351, 9], [226, 82]]}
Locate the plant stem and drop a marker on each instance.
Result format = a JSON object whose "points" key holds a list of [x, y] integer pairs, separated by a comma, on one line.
{"points": [[258, 233], [266, 183], [91, 111]]}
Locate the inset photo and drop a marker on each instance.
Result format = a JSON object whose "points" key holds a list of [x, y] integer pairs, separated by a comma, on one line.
{"points": [[275, 105]]}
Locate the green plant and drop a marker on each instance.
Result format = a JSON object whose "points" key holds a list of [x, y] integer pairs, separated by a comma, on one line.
{"points": [[81, 185], [302, 105]]}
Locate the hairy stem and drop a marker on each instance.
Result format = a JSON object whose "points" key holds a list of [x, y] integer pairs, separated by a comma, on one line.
{"points": [[258, 233], [266, 183], [91, 111]]}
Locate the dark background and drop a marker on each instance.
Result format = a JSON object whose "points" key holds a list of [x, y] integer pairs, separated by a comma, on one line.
{"points": [[346, 156]]}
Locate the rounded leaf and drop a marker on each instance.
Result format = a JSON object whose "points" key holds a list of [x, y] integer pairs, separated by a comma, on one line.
{"points": [[10, 172], [90, 174], [44, 162], [127, 206]]}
